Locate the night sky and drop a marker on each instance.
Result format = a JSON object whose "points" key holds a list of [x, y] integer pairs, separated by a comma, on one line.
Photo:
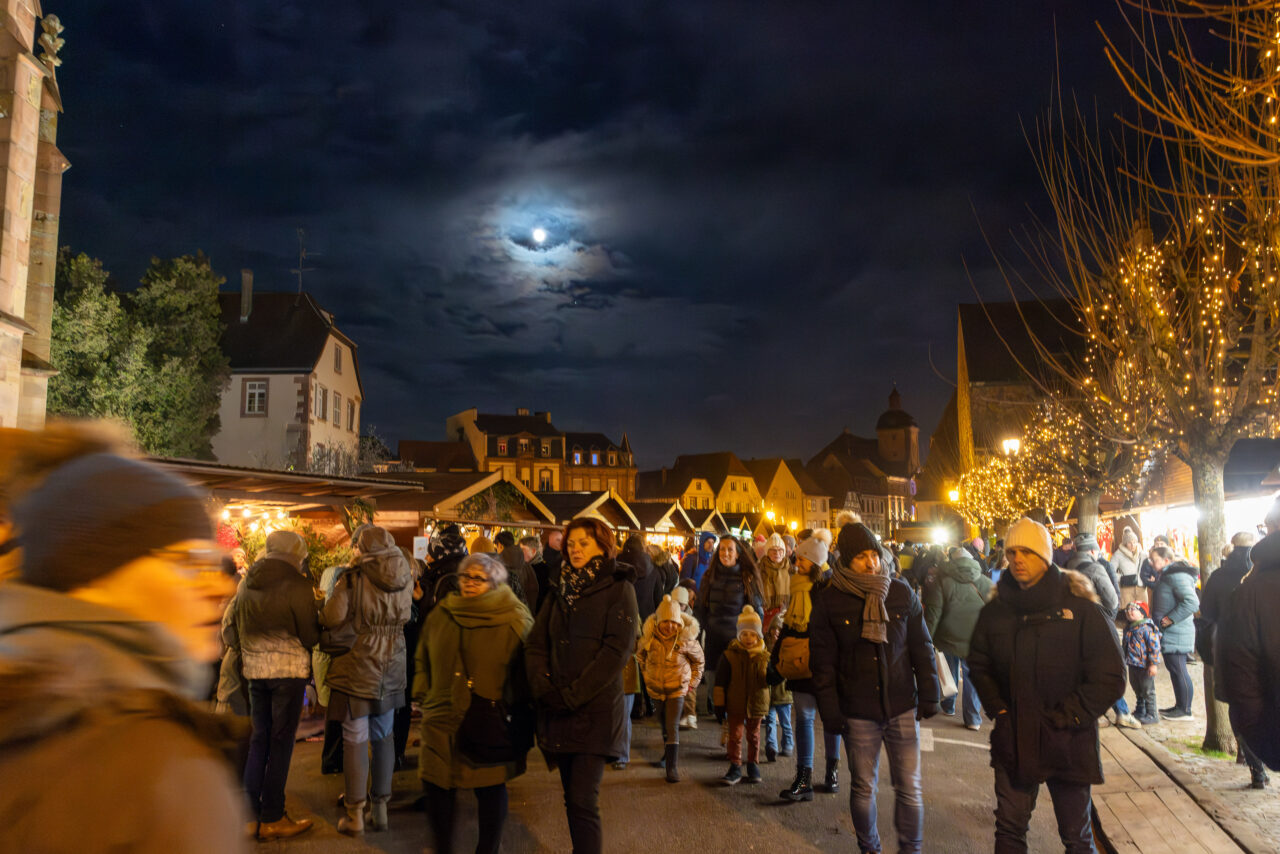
{"points": [[758, 214]]}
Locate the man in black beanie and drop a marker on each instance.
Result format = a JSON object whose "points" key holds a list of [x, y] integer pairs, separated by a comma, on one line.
{"points": [[105, 645]]}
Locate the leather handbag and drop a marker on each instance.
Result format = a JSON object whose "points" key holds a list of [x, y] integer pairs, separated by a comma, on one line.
{"points": [[485, 734]]}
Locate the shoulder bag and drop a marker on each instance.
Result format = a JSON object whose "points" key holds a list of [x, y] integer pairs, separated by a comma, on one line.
{"points": [[485, 734]]}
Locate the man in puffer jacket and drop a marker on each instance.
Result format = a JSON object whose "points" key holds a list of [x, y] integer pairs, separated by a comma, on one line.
{"points": [[1046, 664], [275, 624]]}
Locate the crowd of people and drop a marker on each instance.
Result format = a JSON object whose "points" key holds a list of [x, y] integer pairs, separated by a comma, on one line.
{"points": [[123, 603]]}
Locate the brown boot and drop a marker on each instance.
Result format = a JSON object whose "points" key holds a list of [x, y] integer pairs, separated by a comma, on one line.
{"points": [[283, 829]]}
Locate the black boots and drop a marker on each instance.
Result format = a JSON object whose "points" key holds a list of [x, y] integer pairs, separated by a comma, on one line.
{"points": [[831, 785], [1258, 779], [801, 787], [672, 763]]}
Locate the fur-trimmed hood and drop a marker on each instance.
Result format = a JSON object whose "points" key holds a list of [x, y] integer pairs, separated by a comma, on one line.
{"points": [[689, 628], [1078, 584]]}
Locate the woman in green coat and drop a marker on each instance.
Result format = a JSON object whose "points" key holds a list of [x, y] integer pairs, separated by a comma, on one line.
{"points": [[473, 643]]}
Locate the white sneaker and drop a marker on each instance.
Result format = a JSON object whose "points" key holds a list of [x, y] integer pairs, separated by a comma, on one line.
{"points": [[1128, 721]]}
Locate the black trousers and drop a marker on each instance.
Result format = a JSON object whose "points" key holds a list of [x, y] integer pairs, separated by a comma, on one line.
{"points": [[580, 775], [276, 705], [669, 712], [442, 808], [1072, 807]]}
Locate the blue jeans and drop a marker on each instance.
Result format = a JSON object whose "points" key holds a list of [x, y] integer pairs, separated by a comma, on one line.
{"points": [[970, 707], [275, 706], [628, 701], [806, 711], [779, 717], [901, 738], [1072, 806]]}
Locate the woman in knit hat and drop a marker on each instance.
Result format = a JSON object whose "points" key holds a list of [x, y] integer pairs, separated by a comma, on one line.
{"points": [[789, 660], [741, 695], [106, 638], [875, 674], [673, 663], [730, 583]]}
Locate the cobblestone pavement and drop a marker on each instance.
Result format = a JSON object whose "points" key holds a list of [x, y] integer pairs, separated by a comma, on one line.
{"points": [[1228, 781]]}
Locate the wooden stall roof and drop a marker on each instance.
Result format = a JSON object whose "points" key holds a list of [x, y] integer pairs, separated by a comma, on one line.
{"points": [[607, 505], [441, 492], [238, 483], [651, 513]]}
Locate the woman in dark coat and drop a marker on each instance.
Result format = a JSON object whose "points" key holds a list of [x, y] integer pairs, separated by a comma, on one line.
{"points": [[731, 581], [581, 639]]}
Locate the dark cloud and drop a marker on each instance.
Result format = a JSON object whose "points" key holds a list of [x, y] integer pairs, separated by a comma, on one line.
{"points": [[756, 214]]}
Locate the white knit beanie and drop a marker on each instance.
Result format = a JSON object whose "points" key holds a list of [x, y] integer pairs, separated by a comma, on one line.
{"points": [[668, 610], [775, 542], [749, 621], [1032, 536], [814, 549]]}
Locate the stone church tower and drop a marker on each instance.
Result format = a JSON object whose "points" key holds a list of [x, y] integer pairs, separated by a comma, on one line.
{"points": [[31, 168], [897, 436]]}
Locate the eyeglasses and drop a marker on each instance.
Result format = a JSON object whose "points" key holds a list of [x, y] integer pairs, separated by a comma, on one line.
{"points": [[193, 563], [473, 578]]}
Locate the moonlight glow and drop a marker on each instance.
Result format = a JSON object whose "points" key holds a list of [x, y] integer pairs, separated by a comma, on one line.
{"points": [[539, 235]]}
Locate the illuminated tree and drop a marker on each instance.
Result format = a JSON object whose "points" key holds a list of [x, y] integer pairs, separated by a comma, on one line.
{"points": [[1001, 489], [1166, 242]]}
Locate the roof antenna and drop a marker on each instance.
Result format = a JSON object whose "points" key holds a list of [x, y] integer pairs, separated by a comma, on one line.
{"points": [[302, 258]]}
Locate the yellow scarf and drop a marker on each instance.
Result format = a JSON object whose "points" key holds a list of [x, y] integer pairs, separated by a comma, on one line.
{"points": [[801, 606]]}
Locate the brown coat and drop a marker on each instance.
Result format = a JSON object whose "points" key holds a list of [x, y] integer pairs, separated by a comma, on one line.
{"points": [[672, 668], [741, 687]]}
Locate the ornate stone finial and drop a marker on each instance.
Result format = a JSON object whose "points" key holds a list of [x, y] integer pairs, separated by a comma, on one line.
{"points": [[51, 41]]}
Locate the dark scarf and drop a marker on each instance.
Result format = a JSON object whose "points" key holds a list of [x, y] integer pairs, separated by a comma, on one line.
{"points": [[872, 588], [1042, 596], [574, 580]]}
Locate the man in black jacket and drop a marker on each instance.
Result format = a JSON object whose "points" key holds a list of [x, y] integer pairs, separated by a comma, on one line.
{"points": [[1248, 649], [875, 676], [1046, 665]]}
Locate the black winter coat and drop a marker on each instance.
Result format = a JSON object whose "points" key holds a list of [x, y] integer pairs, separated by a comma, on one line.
{"points": [[1248, 654], [1048, 658], [574, 656], [1214, 598], [856, 678], [721, 596]]}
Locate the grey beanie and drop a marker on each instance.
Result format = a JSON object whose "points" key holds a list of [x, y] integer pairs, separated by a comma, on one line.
{"points": [[99, 512]]}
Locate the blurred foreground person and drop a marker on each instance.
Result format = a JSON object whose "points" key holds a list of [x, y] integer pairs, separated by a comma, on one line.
{"points": [[105, 643], [370, 603]]}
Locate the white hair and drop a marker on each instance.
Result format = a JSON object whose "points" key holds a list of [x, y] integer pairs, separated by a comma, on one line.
{"points": [[494, 568]]}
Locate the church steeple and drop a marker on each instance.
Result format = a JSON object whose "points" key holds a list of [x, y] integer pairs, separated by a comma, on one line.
{"points": [[897, 435]]}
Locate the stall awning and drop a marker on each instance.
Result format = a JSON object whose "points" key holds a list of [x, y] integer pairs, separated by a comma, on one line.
{"points": [[300, 491]]}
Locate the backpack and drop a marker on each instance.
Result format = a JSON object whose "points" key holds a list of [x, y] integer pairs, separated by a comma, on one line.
{"points": [[793, 658]]}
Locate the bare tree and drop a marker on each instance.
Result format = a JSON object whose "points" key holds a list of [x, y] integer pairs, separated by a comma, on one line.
{"points": [[1166, 242]]}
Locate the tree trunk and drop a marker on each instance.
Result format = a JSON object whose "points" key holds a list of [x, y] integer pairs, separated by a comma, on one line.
{"points": [[1206, 480], [1088, 513]]}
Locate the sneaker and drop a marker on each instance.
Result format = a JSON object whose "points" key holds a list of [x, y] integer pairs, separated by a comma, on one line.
{"points": [[753, 773], [1128, 721], [1147, 720], [733, 776], [693, 721], [619, 766], [974, 727], [1177, 715], [1169, 710]]}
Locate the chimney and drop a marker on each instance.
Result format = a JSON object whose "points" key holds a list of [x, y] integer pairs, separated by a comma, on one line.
{"points": [[246, 294], [522, 411], [545, 416]]}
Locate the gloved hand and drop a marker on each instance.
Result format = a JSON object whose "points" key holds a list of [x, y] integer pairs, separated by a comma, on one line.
{"points": [[924, 711]]}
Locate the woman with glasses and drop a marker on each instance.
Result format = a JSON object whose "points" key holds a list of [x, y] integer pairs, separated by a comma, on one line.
{"points": [[367, 684], [584, 634], [106, 637], [472, 650]]}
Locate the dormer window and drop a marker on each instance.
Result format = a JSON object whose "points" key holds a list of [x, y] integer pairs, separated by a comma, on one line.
{"points": [[613, 459], [577, 458], [595, 458], [502, 447], [546, 450]]}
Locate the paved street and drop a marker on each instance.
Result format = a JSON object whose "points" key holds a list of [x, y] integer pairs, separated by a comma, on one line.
{"points": [[644, 813]]}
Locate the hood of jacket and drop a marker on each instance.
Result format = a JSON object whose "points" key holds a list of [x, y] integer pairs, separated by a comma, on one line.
{"points": [[689, 628], [1181, 566], [1266, 554], [497, 607], [386, 569], [62, 658], [1043, 594], [963, 569], [270, 572]]}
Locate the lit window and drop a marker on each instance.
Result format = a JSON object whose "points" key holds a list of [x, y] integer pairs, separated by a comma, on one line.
{"points": [[595, 458], [577, 458], [502, 448], [546, 449]]}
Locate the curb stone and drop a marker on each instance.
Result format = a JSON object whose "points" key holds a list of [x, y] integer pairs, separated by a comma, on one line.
{"points": [[1245, 834]]}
